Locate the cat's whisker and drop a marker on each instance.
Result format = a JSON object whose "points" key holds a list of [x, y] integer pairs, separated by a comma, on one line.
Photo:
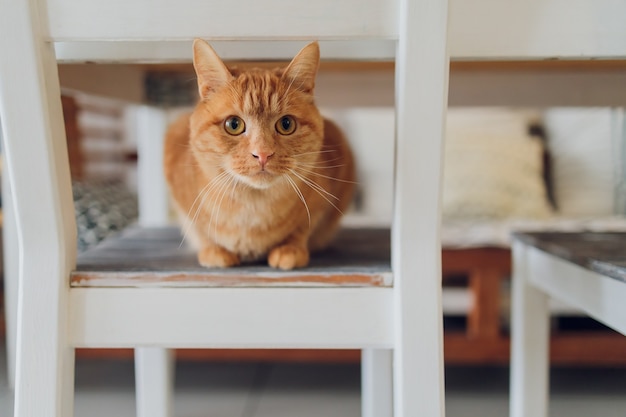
{"points": [[318, 165], [202, 195], [318, 162], [188, 225], [217, 182], [313, 184], [224, 192], [232, 191], [313, 152], [308, 171], [300, 195], [318, 189], [213, 221]]}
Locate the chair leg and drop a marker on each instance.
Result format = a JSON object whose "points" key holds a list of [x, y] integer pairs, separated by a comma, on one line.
{"points": [[44, 368], [11, 281], [530, 326], [154, 381], [376, 383], [421, 100], [54, 394]]}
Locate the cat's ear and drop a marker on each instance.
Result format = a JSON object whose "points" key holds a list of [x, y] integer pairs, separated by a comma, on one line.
{"points": [[303, 68], [211, 71]]}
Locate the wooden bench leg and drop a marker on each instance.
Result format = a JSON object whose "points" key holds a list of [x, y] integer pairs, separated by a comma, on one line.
{"points": [[530, 327], [483, 320]]}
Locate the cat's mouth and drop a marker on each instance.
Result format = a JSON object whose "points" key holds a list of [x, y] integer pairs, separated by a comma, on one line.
{"points": [[260, 179]]}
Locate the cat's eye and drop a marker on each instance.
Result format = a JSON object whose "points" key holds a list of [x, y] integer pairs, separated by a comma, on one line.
{"points": [[286, 125], [234, 125]]}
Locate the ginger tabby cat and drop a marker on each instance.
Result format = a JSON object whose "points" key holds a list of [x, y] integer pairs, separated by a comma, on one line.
{"points": [[255, 171]]}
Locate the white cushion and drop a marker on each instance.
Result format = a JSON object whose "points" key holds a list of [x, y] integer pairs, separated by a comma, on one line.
{"points": [[493, 168], [586, 159]]}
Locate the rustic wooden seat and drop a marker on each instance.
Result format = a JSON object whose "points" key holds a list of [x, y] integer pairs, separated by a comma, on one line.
{"points": [[141, 257]]}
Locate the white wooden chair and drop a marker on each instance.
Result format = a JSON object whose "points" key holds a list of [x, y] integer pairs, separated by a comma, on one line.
{"points": [[402, 320]]}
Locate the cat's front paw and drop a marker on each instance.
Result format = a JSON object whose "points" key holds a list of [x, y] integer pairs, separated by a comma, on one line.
{"points": [[288, 257], [215, 256]]}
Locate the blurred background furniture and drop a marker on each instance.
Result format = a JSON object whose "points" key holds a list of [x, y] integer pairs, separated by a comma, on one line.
{"points": [[586, 270]]}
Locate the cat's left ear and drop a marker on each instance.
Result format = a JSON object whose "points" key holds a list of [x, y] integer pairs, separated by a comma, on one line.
{"points": [[303, 68], [210, 69]]}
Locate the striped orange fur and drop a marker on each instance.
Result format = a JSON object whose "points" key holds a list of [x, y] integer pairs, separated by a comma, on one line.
{"points": [[255, 171]]}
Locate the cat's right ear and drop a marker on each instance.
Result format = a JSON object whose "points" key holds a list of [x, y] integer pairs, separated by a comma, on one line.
{"points": [[211, 71]]}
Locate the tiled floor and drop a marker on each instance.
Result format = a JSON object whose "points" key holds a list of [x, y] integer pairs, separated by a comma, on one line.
{"points": [[105, 388]]}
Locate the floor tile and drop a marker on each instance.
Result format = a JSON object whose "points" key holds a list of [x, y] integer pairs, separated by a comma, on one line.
{"points": [[106, 388]]}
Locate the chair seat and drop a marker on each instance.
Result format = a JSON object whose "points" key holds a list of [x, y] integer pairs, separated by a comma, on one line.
{"points": [[600, 252], [155, 257]]}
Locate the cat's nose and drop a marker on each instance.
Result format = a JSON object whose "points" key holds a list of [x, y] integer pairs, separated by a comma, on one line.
{"points": [[262, 157]]}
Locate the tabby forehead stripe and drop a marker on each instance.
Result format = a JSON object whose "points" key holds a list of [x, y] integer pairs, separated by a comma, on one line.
{"points": [[262, 94]]}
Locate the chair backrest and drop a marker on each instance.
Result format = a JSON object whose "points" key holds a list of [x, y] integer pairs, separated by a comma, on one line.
{"points": [[352, 29], [36, 32]]}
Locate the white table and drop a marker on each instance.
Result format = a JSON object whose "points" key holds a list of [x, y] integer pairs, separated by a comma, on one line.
{"points": [[586, 270]]}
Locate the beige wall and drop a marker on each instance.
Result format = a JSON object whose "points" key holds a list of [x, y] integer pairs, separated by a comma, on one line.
{"points": [[526, 86]]}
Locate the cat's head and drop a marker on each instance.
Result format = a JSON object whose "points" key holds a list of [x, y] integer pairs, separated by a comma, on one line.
{"points": [[257, 125]]}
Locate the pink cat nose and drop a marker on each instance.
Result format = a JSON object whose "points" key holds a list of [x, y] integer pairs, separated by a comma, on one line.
{"points": [[262, 157]]}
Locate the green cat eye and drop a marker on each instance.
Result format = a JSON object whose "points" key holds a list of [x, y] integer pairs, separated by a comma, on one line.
{"points": [[286, 125], [234, 125]]}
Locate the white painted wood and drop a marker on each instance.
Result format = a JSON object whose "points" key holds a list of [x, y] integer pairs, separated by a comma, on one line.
{"points": [[495, 29], [530, 331], [421, 100], [10, 274], [376, 383], [537, 276], [232, 317], [480, 29], [154, 367], [36, 158], [154, 381], [236, 19], [179, 51], [598, 296], [149, 126]]}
